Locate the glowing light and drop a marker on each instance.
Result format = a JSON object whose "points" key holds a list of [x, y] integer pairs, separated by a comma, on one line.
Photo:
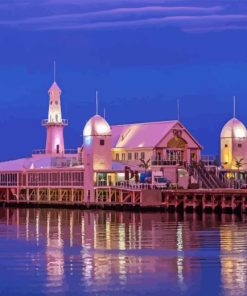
{"points": [[96, 126], [88, 140], [102, 128], [239, 132]]}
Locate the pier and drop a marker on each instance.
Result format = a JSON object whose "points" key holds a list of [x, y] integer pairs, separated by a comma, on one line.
{"points": [[202, 200]]}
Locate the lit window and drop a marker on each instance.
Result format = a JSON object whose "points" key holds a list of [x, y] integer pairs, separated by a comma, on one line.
{"points": [[129, 156]]}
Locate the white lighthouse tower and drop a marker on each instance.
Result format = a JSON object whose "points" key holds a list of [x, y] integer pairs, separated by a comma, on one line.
{"points": [[54, 124]]}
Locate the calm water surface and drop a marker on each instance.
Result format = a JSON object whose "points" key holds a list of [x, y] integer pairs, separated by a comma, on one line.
{"points": [[70, 252]]}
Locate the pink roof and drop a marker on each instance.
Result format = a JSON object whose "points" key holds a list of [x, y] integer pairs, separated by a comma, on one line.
{"points": [[54, 87], [140, 135], [43, 162]]}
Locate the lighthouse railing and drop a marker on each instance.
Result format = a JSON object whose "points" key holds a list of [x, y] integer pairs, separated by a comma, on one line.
{"points": [[63, 122]]}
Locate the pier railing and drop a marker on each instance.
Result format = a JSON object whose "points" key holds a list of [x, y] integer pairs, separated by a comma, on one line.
{"points": [[139, 186], [129, 185]]}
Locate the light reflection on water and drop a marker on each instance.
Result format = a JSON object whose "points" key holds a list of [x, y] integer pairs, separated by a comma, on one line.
{"points": [[73, 252]]}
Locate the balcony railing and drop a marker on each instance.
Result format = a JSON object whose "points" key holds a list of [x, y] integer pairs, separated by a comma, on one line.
{"points": [[208, 159], [63, 122], [162, 162], [43, 151], [139, 186]]}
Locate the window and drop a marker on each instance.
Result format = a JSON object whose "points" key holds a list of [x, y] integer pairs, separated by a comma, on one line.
{"points": [[136, 155], [117, 156], [226, 145], [129, 156], [142, 155], [239, 145], [102, 142], [123, 156]]}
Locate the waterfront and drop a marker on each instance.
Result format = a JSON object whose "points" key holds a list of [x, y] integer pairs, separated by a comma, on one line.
{"points": [[74, 252]]}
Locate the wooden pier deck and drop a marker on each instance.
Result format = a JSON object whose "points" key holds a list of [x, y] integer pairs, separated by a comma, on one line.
{"points": [[214, 200]]}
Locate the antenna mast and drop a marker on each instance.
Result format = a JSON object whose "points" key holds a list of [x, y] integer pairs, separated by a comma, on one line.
{"points": [[97, 103], [178, 110], [234, 106], [54, 70]]}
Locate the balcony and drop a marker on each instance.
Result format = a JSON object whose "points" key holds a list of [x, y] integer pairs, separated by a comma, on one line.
{"points": [[46, 122], [164, 162], [43, 151]]}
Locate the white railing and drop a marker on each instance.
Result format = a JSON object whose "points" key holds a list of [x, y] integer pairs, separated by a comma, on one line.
{"points": [[139, 186], [43, 151], [46, 122], [163, 161], [208, 159]]}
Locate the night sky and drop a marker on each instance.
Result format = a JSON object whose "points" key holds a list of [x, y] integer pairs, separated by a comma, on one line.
{"points": [[140, 55]]}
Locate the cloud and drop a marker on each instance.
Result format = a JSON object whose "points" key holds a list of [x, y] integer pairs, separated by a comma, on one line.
{"points": [[118, 15], [187, 23], [108, 14]]}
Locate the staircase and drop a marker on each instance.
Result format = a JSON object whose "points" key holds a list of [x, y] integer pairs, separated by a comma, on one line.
{"points": [[208, 180]]}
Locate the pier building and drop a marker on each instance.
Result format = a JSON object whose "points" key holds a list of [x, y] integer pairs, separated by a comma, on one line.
{"points": [[129, 164]]}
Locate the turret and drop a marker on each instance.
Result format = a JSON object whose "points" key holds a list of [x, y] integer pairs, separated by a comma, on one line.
{"points": [[233, 142], [97, 145]]}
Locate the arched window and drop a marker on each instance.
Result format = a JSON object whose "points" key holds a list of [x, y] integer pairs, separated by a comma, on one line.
{"points": [[177, 142]]}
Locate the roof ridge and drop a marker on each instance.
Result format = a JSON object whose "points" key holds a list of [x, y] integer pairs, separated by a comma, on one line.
{"points": [[142, 123]]}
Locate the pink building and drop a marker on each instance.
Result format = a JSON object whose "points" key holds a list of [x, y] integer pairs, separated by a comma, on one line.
{"points": [[110, 158]]}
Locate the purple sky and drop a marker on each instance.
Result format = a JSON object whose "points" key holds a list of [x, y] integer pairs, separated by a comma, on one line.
{"points": [[141, 55]]}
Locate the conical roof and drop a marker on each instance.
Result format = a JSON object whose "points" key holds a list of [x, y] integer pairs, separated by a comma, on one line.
{"points": [[54, 88], [234, 128]]}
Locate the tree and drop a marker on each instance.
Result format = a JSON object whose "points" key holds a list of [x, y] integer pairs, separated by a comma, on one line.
{"points": [[239, 163], [144, 164]]}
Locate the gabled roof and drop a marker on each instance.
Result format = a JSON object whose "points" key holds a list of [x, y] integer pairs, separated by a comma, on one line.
{"points": [[140, 135], [146, 135]]}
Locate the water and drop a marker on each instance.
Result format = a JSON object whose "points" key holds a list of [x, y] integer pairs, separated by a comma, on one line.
{"points": [[72, 252]]}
